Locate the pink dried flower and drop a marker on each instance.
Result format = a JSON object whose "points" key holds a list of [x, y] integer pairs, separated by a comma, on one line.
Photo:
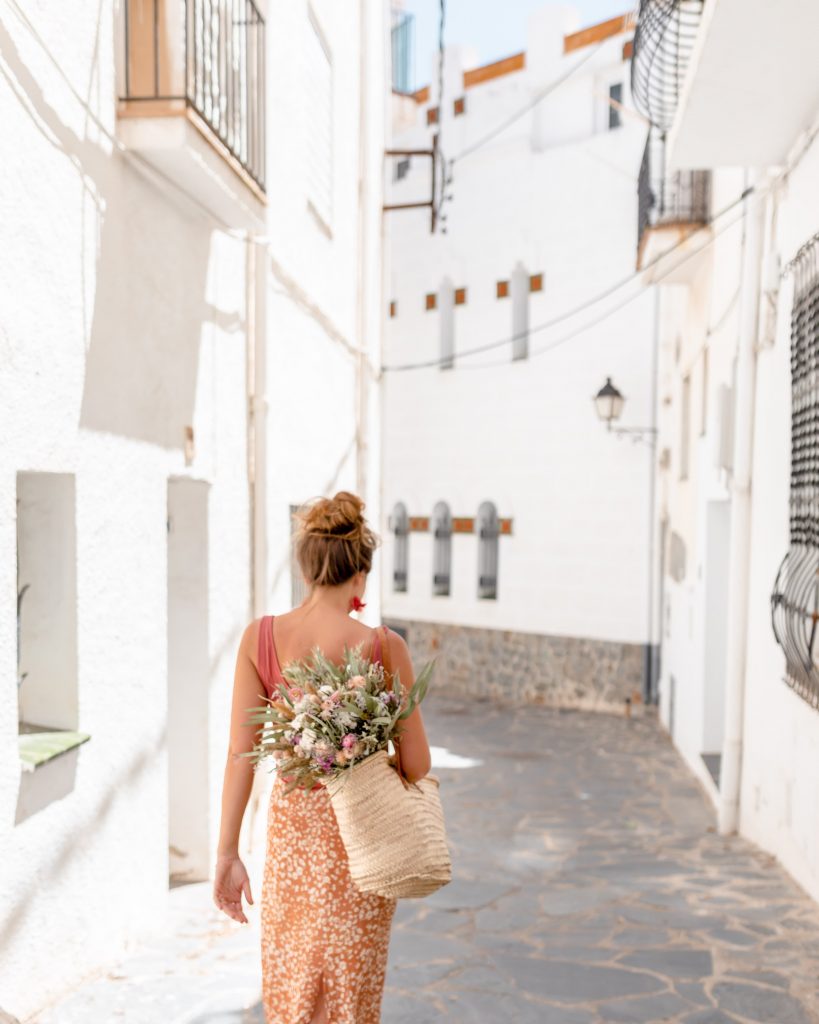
{"points": [[349, 741]]}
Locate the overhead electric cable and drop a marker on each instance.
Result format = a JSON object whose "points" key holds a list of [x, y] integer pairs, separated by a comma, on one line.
{"points": [[568, 314]]}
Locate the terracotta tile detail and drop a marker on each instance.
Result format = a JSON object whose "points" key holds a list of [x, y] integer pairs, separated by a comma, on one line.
{"points": [[432, 115], [419, 524], [421, 95], [463, 524], [459, 106], [505, 526], [597, 33], [393, 308], [460, 296], [517, 62], [628, 49], [502, 290], [536, 283], [431, 301]]}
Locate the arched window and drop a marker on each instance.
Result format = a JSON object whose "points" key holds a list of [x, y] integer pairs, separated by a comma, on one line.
{"points": [[399, 524], [519, 289], [442, 548], [446, 317], [488, 533]]}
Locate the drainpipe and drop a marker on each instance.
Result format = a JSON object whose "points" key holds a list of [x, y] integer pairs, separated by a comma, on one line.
{"points": [[740, 535], [256, 427]]}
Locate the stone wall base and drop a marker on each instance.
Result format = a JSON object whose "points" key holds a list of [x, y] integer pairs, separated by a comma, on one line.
{"points": [[552, 671]]}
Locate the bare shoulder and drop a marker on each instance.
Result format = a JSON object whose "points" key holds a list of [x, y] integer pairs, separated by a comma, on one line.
{"points": [[398, 645]]}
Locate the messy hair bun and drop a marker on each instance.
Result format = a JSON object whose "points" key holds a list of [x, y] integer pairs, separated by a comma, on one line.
{"points": [[334, 540]]}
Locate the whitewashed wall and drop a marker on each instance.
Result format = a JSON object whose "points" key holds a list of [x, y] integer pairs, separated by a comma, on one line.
{"points": [[124, 321], [779, 802], [557, 192]]}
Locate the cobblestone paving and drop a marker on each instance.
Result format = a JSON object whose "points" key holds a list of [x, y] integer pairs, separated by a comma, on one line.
{"points": [[590, 886]]}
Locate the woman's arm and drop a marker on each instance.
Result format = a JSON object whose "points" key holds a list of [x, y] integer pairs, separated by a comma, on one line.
{"points": [[248, 692], [231, 878], [415, 756]]}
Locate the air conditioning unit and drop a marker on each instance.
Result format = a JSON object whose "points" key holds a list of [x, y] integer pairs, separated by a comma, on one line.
{"points": [[724, 435]]}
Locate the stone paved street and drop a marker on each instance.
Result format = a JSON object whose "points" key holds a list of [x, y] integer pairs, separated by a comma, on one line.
{"points": [[590, 886]]}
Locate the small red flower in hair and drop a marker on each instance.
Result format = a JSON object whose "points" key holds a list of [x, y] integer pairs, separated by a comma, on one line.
{"points": [[356, 604]]}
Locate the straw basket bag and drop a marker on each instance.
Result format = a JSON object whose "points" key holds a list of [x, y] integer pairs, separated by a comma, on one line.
{"points": [[393, 830]]}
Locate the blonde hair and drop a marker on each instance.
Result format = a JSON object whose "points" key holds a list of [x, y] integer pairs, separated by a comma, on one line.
{"points": [[334, 541]]}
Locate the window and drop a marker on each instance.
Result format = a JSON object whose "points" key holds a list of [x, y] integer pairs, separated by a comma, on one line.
{"points": [[520, 312], [795, 599], [47, 601], [318, 121], [442, 550], [446, 305], [488, 533], [399, 525], [685, 427], [402, 168], [615, 104]]}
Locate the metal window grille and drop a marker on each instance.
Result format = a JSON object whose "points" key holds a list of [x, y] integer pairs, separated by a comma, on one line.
{"points": [[795, 598], [210, 55], [399, 524], [488, 534], [442, 549]]}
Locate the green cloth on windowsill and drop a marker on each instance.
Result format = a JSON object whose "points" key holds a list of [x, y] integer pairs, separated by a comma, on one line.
{"points": [[37, 748]]}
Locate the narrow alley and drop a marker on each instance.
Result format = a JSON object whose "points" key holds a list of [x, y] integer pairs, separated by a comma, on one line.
{"points": [[590, 885]]}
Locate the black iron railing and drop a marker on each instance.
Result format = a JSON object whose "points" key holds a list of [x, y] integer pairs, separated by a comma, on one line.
{"points": [[683, 197], [663, 42], [210, 55]]}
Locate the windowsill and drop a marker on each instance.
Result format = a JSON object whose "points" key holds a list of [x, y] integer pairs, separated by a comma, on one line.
{"points": [[38, 744]]}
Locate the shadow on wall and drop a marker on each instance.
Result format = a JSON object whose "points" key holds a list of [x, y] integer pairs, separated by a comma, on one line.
{"points": [[150, 264]]}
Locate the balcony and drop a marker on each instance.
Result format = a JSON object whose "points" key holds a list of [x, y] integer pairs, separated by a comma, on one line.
{"points": [[671, 208], [192, 99]]}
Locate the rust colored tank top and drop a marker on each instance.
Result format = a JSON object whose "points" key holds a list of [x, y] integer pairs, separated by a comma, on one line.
{"points": [[270, 670]]}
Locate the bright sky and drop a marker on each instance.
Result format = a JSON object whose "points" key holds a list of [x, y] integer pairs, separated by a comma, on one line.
{"points": [[495, 28]]}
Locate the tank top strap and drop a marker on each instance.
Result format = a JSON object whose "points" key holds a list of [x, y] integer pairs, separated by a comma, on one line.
{"points": [[377, 647], [269, 670]]}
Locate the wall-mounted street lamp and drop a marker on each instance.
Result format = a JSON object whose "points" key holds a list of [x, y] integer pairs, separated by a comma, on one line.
{"points": [[609, 402]]}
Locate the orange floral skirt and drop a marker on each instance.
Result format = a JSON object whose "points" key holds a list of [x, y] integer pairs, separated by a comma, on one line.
{"points": [[317, 929]]}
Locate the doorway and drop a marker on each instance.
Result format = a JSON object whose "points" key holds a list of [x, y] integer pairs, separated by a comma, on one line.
{"points": [[188, 681]]}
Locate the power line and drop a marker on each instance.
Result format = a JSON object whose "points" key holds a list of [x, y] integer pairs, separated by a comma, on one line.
{"points": [[568, 314], [538, 98]]}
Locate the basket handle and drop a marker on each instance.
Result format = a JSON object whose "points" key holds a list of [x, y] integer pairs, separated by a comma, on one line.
{"points": [[386, 661]]}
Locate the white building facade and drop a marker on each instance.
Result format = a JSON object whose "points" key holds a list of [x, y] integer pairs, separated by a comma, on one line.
{"points": [[737, 446], [518, 528], [191, 324]]}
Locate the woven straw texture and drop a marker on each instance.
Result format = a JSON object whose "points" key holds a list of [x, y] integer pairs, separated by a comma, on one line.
{"points": [[394, 837]]}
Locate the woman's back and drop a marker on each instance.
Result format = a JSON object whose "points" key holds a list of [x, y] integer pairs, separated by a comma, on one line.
{"points": [[295, 633]]}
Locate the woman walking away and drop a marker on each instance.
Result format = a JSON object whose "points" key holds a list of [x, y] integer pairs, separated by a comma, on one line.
{"points": [[324, 943]]}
